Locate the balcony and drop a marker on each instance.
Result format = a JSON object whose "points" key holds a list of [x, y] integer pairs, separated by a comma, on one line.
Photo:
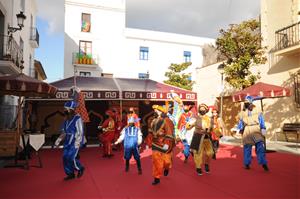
{"points": [[287, 40], [11, 55], [34, 37], [80, 59]]}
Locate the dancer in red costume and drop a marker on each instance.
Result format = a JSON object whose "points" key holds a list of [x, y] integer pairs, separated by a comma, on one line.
{"points": [[108, 134]]}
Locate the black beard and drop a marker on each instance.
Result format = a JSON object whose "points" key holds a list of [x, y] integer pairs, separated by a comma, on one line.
{"points": [[202, 112]]}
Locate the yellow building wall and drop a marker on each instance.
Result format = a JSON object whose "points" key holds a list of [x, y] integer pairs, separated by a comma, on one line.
{"points": [[279, 70]]}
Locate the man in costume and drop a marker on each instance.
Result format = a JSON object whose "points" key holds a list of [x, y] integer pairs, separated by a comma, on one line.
{"points": [[132, 137], [162, 143], [218, 129], [252, 125], [201, 142], [72, 133], [184, 118], [108, 133]]}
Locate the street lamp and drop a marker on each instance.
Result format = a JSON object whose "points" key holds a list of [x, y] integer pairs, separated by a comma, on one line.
{"points": [[221, 71], [20, 19]]}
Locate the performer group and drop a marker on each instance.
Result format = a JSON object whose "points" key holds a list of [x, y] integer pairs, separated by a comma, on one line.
{"points": [[196, 131]]}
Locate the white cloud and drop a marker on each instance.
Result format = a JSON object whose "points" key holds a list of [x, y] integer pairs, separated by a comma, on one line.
{"points": [[52, 11], [194, 17]]}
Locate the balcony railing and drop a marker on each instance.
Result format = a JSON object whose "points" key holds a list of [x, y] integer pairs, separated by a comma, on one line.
{"points": [[85, 59], [34, 37], [287, 37], [10, 50]]}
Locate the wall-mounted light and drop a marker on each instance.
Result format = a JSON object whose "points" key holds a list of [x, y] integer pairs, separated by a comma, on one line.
{"points": [[20, 19]]}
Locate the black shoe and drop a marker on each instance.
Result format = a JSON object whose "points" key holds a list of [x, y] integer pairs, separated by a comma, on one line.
{"points": [[80, 172], [156, 181], [126, 169], [186, 159], [140, 172], [266, 168], [199, 172], [206, 168], [247, 166], [69, 177], [166, 172], [214, 156]]}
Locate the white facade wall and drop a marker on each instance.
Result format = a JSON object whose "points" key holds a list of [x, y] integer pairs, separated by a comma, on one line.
{"points": [[164, 49], [118, 47], [208, 84], [107, 28]]}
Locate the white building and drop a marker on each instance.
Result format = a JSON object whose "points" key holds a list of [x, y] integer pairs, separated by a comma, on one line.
{"points": [[97, 42], [17, 48]]}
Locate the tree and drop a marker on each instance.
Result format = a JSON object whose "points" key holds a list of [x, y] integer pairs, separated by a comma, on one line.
{"points": [[241, 46], [178, 78]]}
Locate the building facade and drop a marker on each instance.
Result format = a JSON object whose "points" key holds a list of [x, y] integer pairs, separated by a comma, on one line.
{"points": [[98, 43], [16, 49], [281, 33]]}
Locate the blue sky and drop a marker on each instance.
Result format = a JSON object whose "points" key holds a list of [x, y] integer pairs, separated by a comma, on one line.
{"points": [[51, 51]]}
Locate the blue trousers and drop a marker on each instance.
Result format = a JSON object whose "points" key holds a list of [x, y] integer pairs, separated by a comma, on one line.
{"points": [[71, 163], [186, 148], [128, 152], [260, 153]]}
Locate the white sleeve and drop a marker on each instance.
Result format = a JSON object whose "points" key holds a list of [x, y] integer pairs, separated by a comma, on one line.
{"points": [[79, 132], [122, 136], [140, 137]]}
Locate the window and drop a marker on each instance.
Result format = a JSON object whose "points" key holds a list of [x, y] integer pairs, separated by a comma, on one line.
{"points": [[144, 51], [85, 47], [84, 74], [85, 22], [143, 75], [187, 56]]}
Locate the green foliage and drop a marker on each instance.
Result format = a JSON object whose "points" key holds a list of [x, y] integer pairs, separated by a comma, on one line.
{"points": [[241, 46], [177, 78]]}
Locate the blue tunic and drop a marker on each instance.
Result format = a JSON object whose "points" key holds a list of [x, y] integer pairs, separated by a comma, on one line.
{"points": [[74, 137]]}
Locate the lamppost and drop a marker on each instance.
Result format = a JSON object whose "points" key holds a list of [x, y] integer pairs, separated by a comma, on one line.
{"points": [[221, 71], [20, 20]]}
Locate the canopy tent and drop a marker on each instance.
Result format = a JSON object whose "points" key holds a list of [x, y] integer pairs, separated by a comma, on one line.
{"points": [[104, 88], [261, 90], [20, 85], [23, 85]]}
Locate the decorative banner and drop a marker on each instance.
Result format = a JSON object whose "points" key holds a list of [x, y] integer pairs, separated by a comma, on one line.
{"points": [[127, 95]]}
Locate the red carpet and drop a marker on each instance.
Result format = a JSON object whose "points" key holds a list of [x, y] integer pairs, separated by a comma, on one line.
{"points": [[105, 178]]}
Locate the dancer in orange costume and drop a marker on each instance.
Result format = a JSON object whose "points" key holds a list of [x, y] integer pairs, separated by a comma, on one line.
{"points": [[162, 143], [107, 137]]}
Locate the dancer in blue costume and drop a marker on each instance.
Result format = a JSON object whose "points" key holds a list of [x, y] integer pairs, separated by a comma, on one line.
{"points": [[252, 126], [132, 137], [72, 133]]}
